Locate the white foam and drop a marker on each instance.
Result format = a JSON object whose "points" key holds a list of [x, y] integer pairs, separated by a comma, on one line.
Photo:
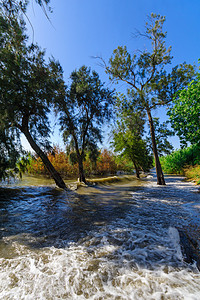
{"points": [[174, 235], [128, 264]]}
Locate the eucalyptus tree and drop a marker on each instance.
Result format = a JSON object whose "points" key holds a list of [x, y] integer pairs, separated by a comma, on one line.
{"points": [[144, 73], [86, 106], [28, 86]]}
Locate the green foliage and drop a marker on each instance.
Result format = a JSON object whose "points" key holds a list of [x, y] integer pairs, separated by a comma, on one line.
{"points": [[13, 160], [10, 150], [184, 115], [93, 154], [124, 164], [86, 107], [193, 173], [23, 163], [167, 85], [162, 132], [73, 158], [27, 82], [139, 70], [178, 160], [128, 135]]}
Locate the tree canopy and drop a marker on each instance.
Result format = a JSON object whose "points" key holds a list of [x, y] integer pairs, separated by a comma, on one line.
{"points": [[185, 113], [162, 132], [10, 150]]}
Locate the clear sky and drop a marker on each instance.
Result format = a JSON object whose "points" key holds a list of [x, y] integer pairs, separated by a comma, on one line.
{"points": [[81, 29]]}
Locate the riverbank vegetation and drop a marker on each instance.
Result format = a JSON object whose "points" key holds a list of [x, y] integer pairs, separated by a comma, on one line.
{"points": [[33, 86], [66, 163], [184, 117], [184, 162]]}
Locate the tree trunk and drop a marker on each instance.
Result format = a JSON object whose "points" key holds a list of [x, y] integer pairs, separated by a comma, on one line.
{"points": [[80, 168], [136, 170], [80, 160], [159, 173], [56, 176]]}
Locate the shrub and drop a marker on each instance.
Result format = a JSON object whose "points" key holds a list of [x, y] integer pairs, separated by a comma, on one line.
{"points": [[59, 160], [106, 163], [193, 172], [67, 165], [176, 162]]}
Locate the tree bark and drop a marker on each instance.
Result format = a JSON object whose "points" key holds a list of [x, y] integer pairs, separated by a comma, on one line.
{"points": [[80, 168], [80, 156], [159, 173], [56, 176], [136, 170]]}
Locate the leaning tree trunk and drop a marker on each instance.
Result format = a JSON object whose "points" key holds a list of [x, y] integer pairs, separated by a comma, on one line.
{"points": [[81, 169], [159, 173], [56, 176]]}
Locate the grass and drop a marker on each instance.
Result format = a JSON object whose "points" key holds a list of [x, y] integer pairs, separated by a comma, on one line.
{"points": [[193, 173]]}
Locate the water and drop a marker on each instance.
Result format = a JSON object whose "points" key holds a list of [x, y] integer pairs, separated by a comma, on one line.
{"points": [[109, 242]]}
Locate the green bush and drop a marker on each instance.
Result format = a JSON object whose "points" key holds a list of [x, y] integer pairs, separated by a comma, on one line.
{"points": [[175, 162]]}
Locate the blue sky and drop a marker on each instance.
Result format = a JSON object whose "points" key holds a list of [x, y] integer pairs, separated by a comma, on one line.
{"points": [[81, 29]]}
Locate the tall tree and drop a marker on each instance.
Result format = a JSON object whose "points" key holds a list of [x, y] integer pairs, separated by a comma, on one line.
{"points": [[86, 107], [143, 73], [28, 86], [185, 113]]}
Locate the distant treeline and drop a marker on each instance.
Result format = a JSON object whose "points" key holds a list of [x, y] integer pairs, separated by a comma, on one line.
{"points": [[66, 164]]}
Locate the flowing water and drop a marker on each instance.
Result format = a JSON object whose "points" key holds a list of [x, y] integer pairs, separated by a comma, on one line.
{"points": [[108, 242]]}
